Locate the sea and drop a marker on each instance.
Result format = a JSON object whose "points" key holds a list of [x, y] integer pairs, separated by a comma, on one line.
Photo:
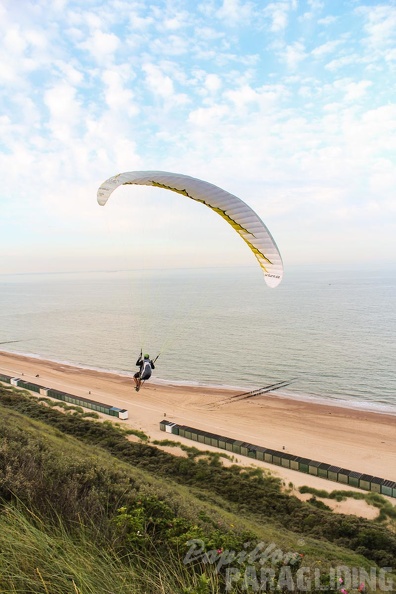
{"points": [[328, 332]]}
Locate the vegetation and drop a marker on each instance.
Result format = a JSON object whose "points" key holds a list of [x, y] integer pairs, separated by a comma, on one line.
{"points": [[85, 509], [387, 510], [191, 451]]}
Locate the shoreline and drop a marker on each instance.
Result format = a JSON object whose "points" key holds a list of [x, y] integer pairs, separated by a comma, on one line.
{"points": [[359, 440], [332, 401]]}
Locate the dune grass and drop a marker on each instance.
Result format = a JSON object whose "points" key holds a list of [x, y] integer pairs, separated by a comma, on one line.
{"points": [[84, 509], [387, 511]]}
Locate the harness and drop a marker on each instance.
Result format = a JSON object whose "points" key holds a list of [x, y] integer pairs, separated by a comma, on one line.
{"points": [[145, 370]]}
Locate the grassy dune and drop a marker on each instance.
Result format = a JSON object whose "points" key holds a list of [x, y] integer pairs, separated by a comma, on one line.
{"points": [[84, 509]]}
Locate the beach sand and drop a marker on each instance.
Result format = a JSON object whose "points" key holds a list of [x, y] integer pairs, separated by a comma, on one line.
{"points": [[346, 437]]}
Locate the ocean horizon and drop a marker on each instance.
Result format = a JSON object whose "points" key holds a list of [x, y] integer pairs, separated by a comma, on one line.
{"points": [[330, 331]]}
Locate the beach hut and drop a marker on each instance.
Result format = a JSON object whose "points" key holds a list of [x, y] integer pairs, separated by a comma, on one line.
{"points": [[6, 379], [247, 449], [207, 438], [388, 488], [200, 437], [163, 424], [303, 464], [260, 451], [353, 478], [332, 473], [376, 483], [55, 394], [268, 455], [195, 434], [123, 414], [277, 458], [286, 459], [236, 447], [313, 467], [365, 482], [214, 440], [229, 444], [294, 462], [323, 470], [187, 432], [14, 381], [222, 442], [343, 475], [29, 386], [168, 427]]}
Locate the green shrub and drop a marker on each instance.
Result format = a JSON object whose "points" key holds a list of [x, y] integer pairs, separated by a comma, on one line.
{"points": [[245, 491]]}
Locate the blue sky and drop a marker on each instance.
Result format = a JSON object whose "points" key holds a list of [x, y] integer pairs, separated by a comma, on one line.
{"points": [[288, 104]]}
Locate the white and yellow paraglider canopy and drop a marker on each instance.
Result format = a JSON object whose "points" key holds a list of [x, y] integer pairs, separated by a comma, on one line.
{"points": [[236, 212]]}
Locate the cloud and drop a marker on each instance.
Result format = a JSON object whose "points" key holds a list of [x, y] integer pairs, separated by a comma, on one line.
{"points": [[14, 41], [342, 62], [172, 45], [159, 83], [208, 116], [380, 24], [212, 83], [296, 117], [326, 48], [356, 90], [316, 4], [243, 96], [278, 14], [293, 54], [235, 11], [20, 54], [64, 111], [102, 46], [328, 20], [117, 96]]}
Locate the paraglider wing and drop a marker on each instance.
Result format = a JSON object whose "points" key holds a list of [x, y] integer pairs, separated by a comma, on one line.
{"points": [[236, 212]]}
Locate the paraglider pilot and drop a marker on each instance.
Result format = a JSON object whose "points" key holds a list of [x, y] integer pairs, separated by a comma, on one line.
{"points": [[146, 366]]}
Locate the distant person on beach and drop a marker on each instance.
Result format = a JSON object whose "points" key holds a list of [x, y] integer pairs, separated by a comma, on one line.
{"points": [[146, 366]]}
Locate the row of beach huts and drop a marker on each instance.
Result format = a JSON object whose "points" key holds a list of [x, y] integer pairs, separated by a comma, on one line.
{"points": [[99, 407], [282, 458], [278, 458]]}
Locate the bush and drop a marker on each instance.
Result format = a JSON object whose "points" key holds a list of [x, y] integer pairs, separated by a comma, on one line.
{"points": [[258, 495]]}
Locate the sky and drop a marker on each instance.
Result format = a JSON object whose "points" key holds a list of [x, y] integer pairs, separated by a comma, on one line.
{"points": [[288, 104]]}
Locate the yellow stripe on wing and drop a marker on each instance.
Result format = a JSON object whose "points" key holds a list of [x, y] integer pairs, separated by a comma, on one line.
{"points": [[238, 228]]}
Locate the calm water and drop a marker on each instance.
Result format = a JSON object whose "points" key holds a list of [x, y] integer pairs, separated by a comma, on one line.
{"points": [[333, 331]]}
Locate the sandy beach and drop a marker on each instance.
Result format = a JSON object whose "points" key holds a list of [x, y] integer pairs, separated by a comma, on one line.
{"points": [[350, 438]]}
